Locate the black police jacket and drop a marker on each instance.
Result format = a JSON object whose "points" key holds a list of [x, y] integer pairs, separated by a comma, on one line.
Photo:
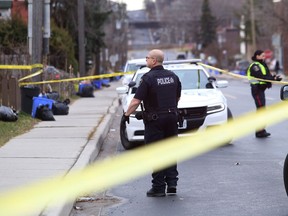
{"points": [[159, 89]]}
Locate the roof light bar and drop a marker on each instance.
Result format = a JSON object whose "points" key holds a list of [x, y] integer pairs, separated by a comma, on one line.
{"points": [[183, 61], [191, 61]]}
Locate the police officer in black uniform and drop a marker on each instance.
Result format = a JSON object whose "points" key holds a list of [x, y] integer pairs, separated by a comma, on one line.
{"points": [[160, 91], [259, 69]]}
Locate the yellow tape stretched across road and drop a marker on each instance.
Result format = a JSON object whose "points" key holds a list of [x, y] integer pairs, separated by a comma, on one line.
{"points": [[101, 76], [21, 67], [30, 67], [132, 164], [240, 76]]}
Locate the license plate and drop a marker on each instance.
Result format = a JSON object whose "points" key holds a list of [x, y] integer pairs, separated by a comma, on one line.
{"points": [[184, 125]]}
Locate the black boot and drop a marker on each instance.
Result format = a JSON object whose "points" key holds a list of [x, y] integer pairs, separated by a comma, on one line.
{"points": [[262, 134], [171, 190], [155, 193]]}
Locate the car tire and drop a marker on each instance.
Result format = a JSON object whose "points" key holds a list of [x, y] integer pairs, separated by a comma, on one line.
{"points": [[285, 174], [229, 114], [123, 137], [230, 117]]}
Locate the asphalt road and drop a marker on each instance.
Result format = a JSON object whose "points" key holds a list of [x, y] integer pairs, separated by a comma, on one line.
{"points": [[245, 178]]}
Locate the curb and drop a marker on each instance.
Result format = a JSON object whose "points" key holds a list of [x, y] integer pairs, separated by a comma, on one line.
{"points": [[86, 157]]}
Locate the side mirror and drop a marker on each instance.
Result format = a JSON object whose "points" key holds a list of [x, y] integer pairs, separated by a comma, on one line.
{"points": [[284, 92], [221, 84], [211, 79], [132, 84], [122, 90]]}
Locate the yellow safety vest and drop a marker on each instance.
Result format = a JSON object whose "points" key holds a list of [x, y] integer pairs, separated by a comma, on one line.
{"points": [[252, 79]]}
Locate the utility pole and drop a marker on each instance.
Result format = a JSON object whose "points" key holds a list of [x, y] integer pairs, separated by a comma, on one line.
{"points": [[81, 37], [37, 41], [253, 32], [35, 33], [47, 31], [38, 32]]}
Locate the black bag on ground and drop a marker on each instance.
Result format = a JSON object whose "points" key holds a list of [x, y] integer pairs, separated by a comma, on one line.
{"points": [[44, 113], [53, 95], [61, 108], [8, 114], [87, 91]]}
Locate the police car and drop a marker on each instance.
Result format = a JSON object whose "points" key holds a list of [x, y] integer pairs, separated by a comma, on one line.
{"points": [[202, 103]]}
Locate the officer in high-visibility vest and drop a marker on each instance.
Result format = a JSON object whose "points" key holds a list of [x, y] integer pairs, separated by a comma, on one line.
{"points": [[259, 69]]}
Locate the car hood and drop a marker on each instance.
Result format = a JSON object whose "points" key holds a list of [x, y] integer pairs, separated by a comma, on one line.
{"points": [[200, 97], [191, 98]]}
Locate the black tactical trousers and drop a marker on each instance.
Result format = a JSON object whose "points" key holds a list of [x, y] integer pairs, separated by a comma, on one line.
{"points": [[258, 94], [165, 126]]}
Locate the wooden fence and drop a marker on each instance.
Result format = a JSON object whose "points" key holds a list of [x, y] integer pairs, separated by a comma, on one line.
{"points": [[10, 92]]}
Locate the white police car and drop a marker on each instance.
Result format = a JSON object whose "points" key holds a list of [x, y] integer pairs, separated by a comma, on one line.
{"points": [[202, 103]]}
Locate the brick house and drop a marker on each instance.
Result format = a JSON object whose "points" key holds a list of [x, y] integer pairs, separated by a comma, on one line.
{"points": [[9, 8]]}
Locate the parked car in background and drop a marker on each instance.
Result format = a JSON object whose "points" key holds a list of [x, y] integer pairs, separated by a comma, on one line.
{"points": [[202, 103], [51, 73], [241, 67], [211, 60], [130, 67]]}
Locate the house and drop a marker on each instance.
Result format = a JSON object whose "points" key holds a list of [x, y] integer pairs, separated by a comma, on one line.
{"points": [[10, 8], [19, 8], [5, 9]]}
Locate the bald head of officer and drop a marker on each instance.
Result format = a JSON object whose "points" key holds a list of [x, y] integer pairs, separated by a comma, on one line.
{"points": [[154, 58]]}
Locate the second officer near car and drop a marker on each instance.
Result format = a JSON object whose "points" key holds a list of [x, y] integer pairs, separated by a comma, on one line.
{"points": [[160, 91]]}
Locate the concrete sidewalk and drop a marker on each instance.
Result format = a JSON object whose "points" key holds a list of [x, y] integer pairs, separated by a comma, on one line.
{"points": [[56, 147]]}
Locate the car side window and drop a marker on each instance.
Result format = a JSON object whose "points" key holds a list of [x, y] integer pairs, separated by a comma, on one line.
{"points": [[137, 80]]}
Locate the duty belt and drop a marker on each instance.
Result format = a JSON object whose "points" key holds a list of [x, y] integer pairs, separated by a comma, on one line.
{"points": [[153, 115], [170, 110]]}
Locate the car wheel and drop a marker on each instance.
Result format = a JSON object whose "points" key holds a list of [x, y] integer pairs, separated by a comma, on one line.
{"points": [[229, 114], [230, 117], [123, 136], [285, 174]]}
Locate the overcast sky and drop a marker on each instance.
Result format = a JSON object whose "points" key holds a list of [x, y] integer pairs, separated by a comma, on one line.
{"points": [[133, 4]]}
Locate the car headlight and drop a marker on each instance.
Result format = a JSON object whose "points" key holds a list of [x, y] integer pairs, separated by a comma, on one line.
{"points": [[215, 108]]}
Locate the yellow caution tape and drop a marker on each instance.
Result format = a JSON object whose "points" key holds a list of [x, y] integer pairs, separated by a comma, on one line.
{"points": [[129, 165], [21, 67], [31, 75], [30, 67], [101, 76], [240, 76]]}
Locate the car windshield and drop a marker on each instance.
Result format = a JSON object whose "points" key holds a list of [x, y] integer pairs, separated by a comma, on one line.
{"points": [[132, 67], [190, 79]]}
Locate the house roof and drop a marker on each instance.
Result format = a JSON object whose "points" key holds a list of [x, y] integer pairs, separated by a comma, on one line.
{"points": [[5, 4]]}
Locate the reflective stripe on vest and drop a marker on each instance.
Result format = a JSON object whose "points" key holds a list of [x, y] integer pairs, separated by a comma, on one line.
{"points": [[251, 78]]}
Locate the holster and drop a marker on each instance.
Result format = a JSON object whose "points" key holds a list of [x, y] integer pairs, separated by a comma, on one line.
{"points": [[139, 115], [146, 116], [150, 116], [180, 116]]}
